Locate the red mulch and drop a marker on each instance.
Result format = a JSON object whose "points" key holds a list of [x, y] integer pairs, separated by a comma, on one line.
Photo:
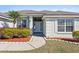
{"points": [[16, 39], [67, 39]]}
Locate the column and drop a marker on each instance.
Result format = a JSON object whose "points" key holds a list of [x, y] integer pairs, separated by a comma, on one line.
{"points": [[31, 23]]}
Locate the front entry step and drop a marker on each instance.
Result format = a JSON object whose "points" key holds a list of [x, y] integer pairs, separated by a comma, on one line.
{"points": [[38, 34]]}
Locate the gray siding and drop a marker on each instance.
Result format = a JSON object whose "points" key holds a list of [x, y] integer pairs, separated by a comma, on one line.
{"points": [[5, 23], [51, 28], [44, 27]]}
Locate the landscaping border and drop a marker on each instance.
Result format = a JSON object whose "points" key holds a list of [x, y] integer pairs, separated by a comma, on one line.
{"points": [[17, 39], [63, 40]]}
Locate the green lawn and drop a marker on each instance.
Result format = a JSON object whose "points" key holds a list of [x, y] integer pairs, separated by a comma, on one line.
{"points": [[55, 46]]}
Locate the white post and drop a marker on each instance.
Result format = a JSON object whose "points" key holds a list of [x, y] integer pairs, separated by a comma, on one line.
{"points": [[31, 23]]}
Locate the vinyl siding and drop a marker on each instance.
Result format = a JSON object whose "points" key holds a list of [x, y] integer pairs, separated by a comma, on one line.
{"points": [[51, 28], [76, 24], [6, 23], [44, 27]]}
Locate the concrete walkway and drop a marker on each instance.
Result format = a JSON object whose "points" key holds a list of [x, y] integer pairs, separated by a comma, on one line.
{"points": [[35, 42]]}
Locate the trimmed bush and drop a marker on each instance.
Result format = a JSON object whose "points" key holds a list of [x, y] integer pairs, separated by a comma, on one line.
{"points": [[75, 34], [6, 33], [14, 33]]}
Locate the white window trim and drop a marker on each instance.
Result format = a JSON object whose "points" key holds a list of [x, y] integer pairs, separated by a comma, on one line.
{"points": [[64, 28], [22, 21]]}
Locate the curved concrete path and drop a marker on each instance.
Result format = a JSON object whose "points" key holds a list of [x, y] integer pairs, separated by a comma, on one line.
{"points": [[36, 42]]}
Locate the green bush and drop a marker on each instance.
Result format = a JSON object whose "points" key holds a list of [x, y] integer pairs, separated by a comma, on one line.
{"points": [[75, 34], [6, 33], [14, 32]]}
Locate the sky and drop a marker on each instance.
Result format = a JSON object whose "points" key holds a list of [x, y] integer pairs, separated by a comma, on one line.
{"points": [[73, 8]]}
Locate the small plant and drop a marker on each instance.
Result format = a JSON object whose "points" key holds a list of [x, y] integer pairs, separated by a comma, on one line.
{"points": [[75, 34]]}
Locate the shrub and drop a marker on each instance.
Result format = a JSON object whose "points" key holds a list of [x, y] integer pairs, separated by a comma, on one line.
{"points": [[21, 32], [14, 32], [6, 33], [75, 34]]}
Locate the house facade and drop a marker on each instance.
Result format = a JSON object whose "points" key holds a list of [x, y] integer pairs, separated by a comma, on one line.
{"points": [[53, 24]]}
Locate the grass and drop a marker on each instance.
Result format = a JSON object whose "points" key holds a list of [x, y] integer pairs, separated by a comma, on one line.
{"points": [[55, 46]]}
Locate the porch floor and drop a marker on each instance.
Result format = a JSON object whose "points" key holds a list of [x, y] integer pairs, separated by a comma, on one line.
{"points": [[38, 34]]}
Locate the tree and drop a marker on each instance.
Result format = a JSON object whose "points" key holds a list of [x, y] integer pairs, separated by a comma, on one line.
{"points": [[14, 15]]}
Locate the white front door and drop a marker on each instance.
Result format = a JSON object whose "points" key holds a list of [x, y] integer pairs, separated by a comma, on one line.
{"points": [[37, 26]]}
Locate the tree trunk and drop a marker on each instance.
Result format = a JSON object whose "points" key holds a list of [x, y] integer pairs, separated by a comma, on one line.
{"points": [[14, 22], [13, 25]]}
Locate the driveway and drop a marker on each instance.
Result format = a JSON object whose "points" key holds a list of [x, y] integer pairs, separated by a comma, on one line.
{"points": [[35, 42]]}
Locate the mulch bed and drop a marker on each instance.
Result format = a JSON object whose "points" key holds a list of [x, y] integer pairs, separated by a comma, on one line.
{"points": [[16, 39], [67, 39]]}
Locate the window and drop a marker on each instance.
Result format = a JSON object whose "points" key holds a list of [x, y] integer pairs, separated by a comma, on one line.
{"points": [[19, 24], [65, 25], [61, 25], [69, 25], [22, 24]]}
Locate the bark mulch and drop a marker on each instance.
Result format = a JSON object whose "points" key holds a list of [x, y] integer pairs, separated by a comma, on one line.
{"points": [[16, 39], [67, 39]]}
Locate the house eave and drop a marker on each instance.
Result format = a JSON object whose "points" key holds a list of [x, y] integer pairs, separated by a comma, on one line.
{"points": [[56, 16], [5, 18]]}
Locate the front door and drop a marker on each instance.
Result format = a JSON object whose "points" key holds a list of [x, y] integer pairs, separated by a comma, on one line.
{"points": [[37, 26]]}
